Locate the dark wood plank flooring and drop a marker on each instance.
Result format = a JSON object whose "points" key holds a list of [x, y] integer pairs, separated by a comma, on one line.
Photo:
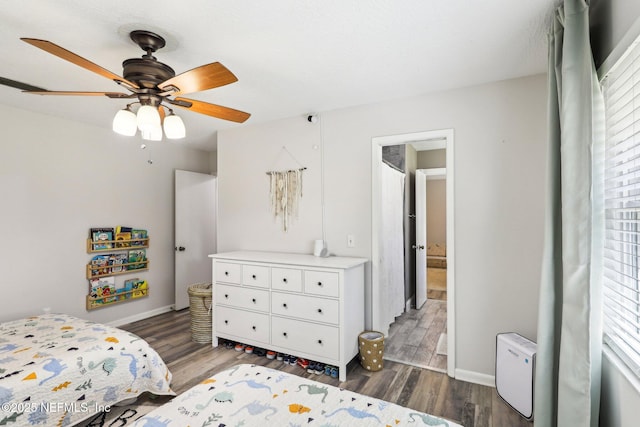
{"points": [[413, 337], [471, 405]]}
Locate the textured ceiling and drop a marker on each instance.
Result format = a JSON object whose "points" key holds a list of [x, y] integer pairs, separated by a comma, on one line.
{"points": [[291, 57]]}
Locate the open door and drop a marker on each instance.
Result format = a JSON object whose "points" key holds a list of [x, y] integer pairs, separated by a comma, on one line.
{"points": [[195, 231], [421, 238]]}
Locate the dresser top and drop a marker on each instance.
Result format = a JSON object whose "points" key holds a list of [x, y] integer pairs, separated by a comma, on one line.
{"points": [[291, 259]]}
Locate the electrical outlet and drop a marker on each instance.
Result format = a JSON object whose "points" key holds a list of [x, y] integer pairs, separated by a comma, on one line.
{"points": [[351, 241]]}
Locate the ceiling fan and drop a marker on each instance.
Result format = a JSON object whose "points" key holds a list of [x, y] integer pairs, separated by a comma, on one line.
{"points": [[153, 85]]}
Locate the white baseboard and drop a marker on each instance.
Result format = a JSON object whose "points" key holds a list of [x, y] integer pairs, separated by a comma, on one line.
{"points": [[475, 377], [141, 316]]}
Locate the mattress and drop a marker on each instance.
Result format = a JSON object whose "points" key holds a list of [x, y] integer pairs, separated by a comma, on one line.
{"points": [[57, 369], [250, 395]]}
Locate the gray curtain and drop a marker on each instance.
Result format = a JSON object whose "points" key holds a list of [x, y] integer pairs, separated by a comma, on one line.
{"points": [[568, 362]]}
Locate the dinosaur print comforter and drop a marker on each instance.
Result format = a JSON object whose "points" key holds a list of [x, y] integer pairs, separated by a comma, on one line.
{"points": [[57, 370], [250, 395]]}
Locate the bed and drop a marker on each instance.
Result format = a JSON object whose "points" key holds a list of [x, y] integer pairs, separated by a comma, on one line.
{"points": [[251, 395], [57, 369], [436, 255]]}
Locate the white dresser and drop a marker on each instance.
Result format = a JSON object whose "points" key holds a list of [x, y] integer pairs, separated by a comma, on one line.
{"points": [[296, 304]]}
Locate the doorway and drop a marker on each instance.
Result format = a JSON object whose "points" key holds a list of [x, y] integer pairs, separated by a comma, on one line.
{"points": [[428, 140], [195, 231]]}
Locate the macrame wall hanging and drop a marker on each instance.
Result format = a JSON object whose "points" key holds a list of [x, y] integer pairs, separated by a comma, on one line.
{"points": [[285, 191]]}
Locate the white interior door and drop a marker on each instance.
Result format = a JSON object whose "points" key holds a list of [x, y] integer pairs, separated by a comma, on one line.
{"points": [[421, 238], [195, 231]]}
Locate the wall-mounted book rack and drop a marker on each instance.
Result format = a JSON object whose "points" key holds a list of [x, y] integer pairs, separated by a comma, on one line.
{"points": [[118, 251], [110, 245], [101, 301]]}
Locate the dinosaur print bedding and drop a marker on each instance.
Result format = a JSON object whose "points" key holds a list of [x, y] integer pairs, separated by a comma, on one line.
{"points": [[250, 395], [57, 370]]}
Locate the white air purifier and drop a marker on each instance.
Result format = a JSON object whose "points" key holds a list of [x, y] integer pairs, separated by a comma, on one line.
{"points": [[515, 372]]}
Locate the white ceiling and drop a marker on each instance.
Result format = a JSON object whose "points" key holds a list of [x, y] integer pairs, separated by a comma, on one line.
{"points": [[291, 57]]}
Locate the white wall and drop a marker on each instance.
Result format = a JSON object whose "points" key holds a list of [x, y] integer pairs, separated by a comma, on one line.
{"points": [[244, 158], [437, 211], [58, 179], [500, 134]]}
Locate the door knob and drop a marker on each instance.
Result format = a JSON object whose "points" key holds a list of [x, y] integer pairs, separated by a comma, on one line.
{"points": [[180, 248], [419, 247]]}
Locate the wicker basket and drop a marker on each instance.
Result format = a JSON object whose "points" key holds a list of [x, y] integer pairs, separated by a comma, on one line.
{"points": [[371, 345], [200, 310]]}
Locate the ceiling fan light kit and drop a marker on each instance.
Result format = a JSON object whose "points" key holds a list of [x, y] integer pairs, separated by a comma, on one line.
{"points": [[174, 126], [147, 118], [125, 122], [153, 84]]}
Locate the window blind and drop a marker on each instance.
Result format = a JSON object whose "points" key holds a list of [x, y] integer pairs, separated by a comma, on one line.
{"points": [[621, 302]]}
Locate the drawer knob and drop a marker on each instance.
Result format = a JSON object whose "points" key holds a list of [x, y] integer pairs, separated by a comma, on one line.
{"points": [[226, 273], [253, 327], [226, 295], [319, 341], [284, 280], [253, 276], [319, 310], [319, 283], [284, 305], [226, 322], [253, 300], [284, 333]]}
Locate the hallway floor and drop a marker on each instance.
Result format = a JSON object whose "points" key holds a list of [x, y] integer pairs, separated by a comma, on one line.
{"points": [[413, 337]]}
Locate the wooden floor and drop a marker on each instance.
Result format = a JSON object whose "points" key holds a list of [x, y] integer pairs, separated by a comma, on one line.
{"points": [[413, 337], [424, 390]]}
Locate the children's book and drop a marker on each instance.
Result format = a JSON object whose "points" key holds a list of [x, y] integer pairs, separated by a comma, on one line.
{"points": [[100, 265], [128, 286], [103, 290], [123, 233], [138, 234], [116, 262], [139, 289], [102, 237], [123, 239], [137, 256]]}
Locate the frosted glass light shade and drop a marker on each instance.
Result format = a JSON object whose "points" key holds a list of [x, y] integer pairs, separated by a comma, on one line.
{"points": [[153, 134], [174, 127], [125, 123], [148, 118]]}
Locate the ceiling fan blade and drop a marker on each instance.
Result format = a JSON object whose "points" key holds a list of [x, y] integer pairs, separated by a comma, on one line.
{"points": [[68, 93], [212, 110], [60, 52], [200, 78], [19, 85]]}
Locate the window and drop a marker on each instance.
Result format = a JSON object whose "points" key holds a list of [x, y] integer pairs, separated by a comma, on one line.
{"points": [[621, 310]]}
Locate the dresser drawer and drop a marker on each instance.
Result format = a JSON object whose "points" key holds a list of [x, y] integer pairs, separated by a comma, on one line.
{"points": [[227, 272], [305, 337], [243, 324], [321, 283], [305, 307], [252, 299], [286, 279], [255, 275]]}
